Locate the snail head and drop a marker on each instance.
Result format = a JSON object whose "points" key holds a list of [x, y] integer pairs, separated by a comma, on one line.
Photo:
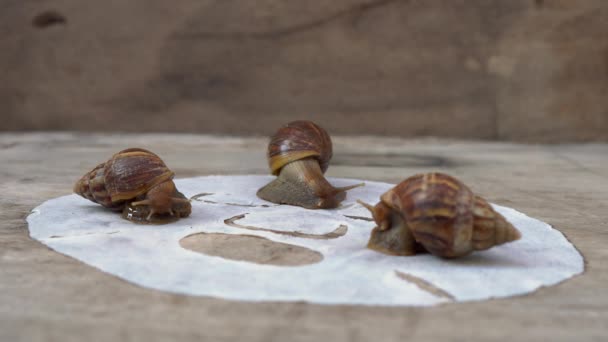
{"points": [[381, 214], [161, 199]]}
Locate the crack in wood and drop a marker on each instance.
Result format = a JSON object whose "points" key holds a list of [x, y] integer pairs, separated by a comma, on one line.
{"points": [[356, 10], [577, 164], [395, 160], [336, 233], [49, 18], [425, 285], [8, 145]]}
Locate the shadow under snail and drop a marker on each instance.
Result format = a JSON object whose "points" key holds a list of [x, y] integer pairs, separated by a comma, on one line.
{"points": [[299, 154], [138, 183], [436, 213]]}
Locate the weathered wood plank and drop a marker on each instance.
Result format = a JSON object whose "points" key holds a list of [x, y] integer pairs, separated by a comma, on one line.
{"points": [[533, 70], [47, 296]]}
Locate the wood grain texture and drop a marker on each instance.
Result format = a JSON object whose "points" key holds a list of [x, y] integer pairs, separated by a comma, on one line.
{"points": [[531, 70], [45, 296]]}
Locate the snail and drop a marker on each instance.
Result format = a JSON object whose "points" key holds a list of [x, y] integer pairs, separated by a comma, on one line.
{"points": [[299, 154], [137, 182], [437, 213]]}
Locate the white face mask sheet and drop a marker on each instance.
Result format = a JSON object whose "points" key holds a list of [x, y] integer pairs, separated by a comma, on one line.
{"points": [[349, 273]]}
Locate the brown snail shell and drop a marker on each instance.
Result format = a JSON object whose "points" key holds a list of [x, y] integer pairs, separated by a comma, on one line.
{"points": [[132, 178], [437, 213], [299, 140], [299, 154]]}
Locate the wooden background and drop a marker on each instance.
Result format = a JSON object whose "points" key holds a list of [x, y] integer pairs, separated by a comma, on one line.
{"points": [[525, 70]]}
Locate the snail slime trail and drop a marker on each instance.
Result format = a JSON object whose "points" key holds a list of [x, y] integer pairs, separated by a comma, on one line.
{"points": [[141, 214], [137, 182], [437, 213], [299, 154]]}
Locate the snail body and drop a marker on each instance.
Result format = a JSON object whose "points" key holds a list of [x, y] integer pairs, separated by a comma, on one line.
{"points": [[437, 213], [134, 178], [299, 154]]}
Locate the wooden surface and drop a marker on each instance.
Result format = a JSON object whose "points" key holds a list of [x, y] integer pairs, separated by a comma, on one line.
{"points": [[522, 70], [47, 296]]}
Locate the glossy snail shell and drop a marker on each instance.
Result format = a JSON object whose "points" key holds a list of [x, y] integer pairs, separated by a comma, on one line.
{"points": [[298, 140], [437, 213], [299, 154], [131, 175], [128, 174]]}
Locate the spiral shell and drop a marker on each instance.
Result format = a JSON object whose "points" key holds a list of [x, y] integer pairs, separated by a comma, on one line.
{"points": [[128, 174], [443, 216], [298, 140], [299, 154]]}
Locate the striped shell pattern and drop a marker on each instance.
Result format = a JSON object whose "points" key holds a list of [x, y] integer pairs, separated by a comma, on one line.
{"points": [[127, 175], [445, 217], [298, 140]]}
